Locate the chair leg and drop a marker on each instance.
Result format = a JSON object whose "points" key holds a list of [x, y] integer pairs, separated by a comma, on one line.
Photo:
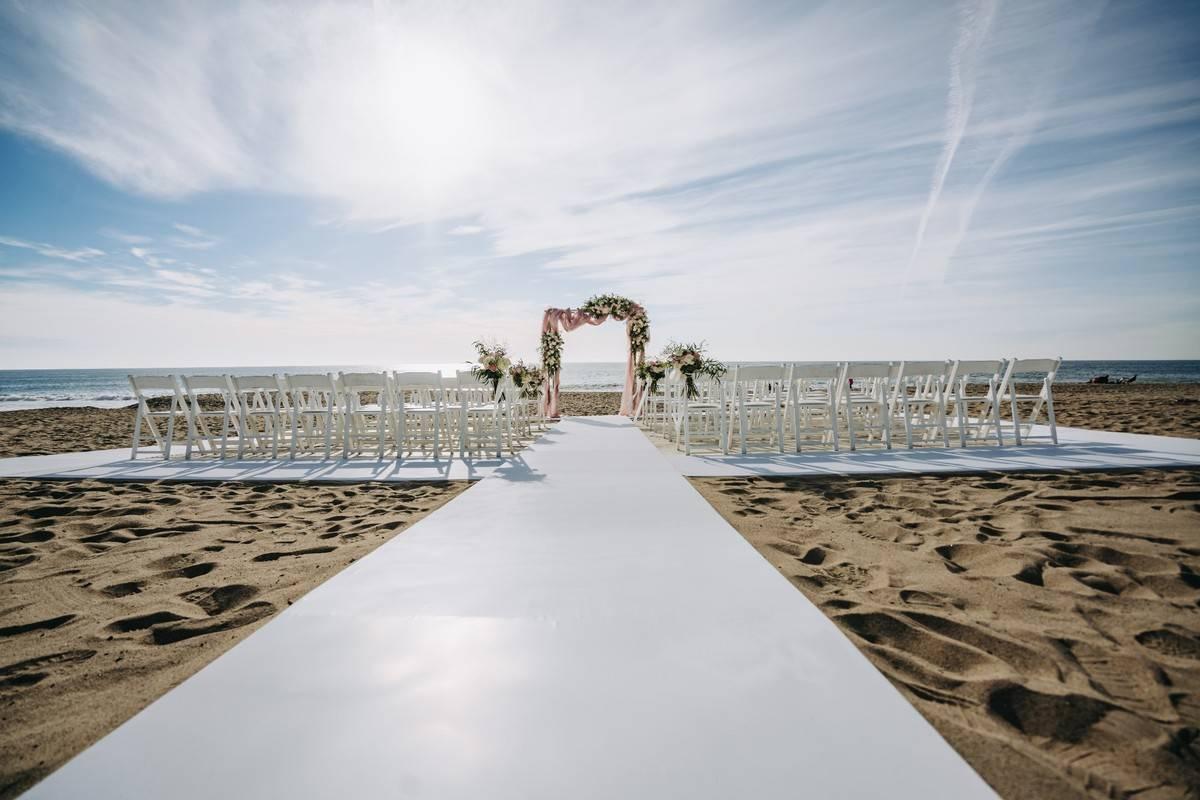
{"points": [[907, 422], [1016, 416], [329, 433], [779, 427], [743, 421], [1050, 416], [137, 432], [170, 434], [850, 423]]}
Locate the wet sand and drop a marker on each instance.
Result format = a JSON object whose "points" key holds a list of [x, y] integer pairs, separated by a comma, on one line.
{"points": [[1047, 625], [111, 594]]}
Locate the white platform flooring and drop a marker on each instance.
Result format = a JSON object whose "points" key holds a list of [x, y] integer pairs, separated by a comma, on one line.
{"points": [[115, 465], [1077, 449], [579, 624]]}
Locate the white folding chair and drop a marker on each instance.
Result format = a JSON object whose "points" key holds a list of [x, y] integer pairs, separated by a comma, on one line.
{"points": [[919, 397], [754, 397], [364, 422], [201, 437], [1028, 370], [420, 411], [865, 401], [699, 419], [484, 416], [975, 394], [313, 412], [260, 400], [812, 398], [156, 383]]}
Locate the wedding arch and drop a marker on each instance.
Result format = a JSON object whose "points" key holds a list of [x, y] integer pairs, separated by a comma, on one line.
{"points": [[595, 311]]}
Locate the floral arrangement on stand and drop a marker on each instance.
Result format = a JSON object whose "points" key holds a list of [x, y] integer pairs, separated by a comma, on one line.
{"points": [[492, 365], [528, 378], [653, 371], [623, 309], [691, 361]]}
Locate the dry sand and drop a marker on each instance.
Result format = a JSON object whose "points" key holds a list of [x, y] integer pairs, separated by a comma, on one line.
{"points": [[111, 594], [1047, 625]]}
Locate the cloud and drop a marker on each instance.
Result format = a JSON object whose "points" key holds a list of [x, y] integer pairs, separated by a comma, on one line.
{"points": [[51, 251], [127, 238], [193, 239], [716, 161]]}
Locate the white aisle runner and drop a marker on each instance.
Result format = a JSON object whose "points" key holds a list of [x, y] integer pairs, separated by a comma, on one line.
{"points": [[579, 625]]}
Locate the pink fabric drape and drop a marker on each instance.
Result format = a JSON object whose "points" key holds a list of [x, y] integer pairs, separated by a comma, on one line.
{"points": [[569, 319]]}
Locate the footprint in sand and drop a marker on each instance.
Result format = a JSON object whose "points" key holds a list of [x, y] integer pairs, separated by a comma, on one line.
{"points": [[1171, 643], [189, 629], [28, 672], [305, 552], [123, 589], [39, 625], [1066, 718], [219, 599]]}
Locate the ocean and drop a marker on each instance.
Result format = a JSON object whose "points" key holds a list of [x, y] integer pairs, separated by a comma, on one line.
{"points": [[109, 388]]}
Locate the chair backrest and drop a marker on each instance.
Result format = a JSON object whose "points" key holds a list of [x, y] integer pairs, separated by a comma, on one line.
{"points": [[142, 383], [1035, 365], [963, 370], [253, 383], [868, 369], [206, 383], [316, 382], [773, 372], [418, 380], [194, 385], [418, 388], [313, 392], [915, 370], [363, 381], [815, 370]]}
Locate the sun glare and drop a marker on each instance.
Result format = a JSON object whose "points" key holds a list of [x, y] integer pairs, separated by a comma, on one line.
{"points": [[436, 108]]}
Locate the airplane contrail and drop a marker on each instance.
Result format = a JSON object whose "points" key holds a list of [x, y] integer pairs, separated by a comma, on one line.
{"points": [[976, 21]]}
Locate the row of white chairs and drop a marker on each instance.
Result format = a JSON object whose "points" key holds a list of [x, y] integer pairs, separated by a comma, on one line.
{"points": [[374, 413], [789, 406]]}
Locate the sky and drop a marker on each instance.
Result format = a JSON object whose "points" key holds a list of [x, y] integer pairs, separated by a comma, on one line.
{"points": [[217, 184]]}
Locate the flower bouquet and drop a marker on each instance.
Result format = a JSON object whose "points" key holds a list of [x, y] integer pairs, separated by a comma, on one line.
{"points": [[691, 361], [493, 363], [551, 350], [622, 309], [652, 372], [528, 378]]}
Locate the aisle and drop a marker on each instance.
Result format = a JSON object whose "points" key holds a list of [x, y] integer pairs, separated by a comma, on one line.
{"points": [[579, 624]]}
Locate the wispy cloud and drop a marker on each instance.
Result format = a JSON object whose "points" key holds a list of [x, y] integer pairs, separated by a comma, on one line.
{"points": [[51, 251], [699, 156], [127, 238]]}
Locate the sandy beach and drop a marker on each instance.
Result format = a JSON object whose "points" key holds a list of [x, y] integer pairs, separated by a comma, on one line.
{"points": [[111, 594], [1047, 625]]}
